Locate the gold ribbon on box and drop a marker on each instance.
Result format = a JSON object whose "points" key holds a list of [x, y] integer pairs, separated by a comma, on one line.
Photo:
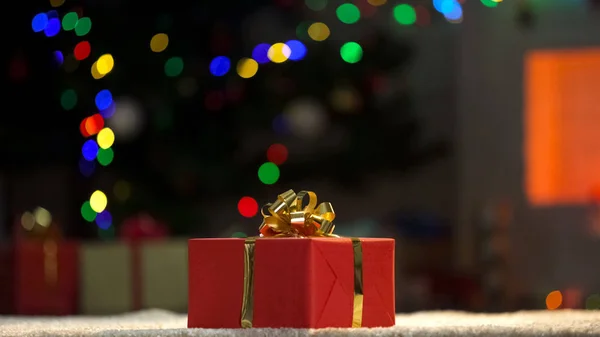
{"points": [[288, 217]]}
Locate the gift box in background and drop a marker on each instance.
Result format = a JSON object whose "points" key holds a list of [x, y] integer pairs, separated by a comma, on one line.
{"points": [[297, 282], [106, 278], [6, 279], [109, 285], [164, 275], [46, 277]]}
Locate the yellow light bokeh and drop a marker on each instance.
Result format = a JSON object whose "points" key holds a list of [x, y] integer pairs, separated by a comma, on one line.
{"points": [[27, 221], [377, 2], [122, 190], [56, 3], [159, 42], [318, 31], [247, 68], [279, 53], [95, 74], [42, 216], [105, 138], [554, 300], [98, 201], [105, 64]]}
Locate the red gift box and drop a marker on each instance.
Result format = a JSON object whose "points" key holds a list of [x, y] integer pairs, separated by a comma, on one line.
{"points": [[46, 275], [297, 282]]}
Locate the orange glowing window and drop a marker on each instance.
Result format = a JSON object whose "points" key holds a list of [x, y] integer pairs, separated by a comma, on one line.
{"points": [[562, 125]]}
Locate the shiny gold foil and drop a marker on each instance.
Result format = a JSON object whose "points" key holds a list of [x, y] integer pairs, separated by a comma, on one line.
{"points": [[248, 296], [288, 217], [358, 283]]}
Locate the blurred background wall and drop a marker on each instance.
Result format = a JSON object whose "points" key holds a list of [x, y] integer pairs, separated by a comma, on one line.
{"points": [[547, 240]]}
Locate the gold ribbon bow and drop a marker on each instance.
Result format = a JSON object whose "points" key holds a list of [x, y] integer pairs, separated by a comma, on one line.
{"points": [[288, 217]]}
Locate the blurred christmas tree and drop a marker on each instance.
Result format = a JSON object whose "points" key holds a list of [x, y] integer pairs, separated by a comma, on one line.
{"points": [[184, 136]]}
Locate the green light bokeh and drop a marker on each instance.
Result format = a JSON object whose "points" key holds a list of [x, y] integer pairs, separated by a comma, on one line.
{"points": [[405, 14], [174, 66], [268, 173], [68, 99], [69, 21], [87, 212], [348, 13], [83, 26], [351, 52]]}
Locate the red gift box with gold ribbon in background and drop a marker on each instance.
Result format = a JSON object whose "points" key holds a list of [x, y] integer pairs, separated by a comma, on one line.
{"points": [[46, 272], [296, 274]]}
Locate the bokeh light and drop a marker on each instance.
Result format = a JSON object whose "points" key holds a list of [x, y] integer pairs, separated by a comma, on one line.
{"points": [[348, 13], [104, 220], [93, 124], [122, 190], [174, 67], [103, 99], [52, 28], [95, 73], [452, 11], [89, 150], [377, 2], [87, 212], [593, 302], [82, 50], [105, 156], [554, 300], [277, 154], [490, 3], [71, 64], [108, 112], [260, 53], [297, 50], [56, 3], [27, 221], [68, 99], [69, 21], [42, 216], [302, 30], [318, 31], [220, 66], [214, 100], [58, 57], [248, 207], [423, 16], [351, 52], [83, 26], [247, 68], [280, 125], [82, 129], [405, 14], [106, 138], [239, 235], [316, 5], [39, 22], [279, 52], [187, 86], [268, 173], [105, 64], [159, 42], [306, 117], [128, 119], [86, 168], [98, 201]]}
